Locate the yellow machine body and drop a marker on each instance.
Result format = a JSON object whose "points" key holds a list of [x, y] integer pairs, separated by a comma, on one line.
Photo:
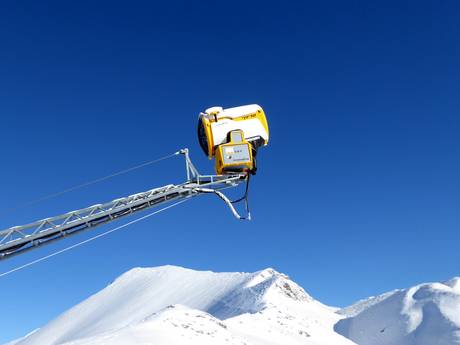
{"points": [[232, 136], [215, 124], [234, 156]]}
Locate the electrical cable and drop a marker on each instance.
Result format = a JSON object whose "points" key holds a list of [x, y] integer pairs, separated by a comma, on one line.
{"points": [[245, 197], [245, 192]]}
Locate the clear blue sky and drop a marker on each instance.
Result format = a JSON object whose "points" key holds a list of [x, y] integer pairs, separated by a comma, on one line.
{"points": [[358, 192]]}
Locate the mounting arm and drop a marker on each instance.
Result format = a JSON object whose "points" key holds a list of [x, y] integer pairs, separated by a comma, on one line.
{"points": [[19, 239]]}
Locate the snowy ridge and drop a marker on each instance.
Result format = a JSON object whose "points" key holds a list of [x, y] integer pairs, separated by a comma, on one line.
{"points": [[174, 305], [364, 304], [170, 305], [426, 314], [260, 291]]}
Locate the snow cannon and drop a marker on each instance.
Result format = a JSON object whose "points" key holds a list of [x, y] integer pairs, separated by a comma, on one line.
{"points": [[232, 136]]}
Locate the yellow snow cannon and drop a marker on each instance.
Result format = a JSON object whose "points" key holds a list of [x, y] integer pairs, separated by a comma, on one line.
{"points": [[232, 136]]}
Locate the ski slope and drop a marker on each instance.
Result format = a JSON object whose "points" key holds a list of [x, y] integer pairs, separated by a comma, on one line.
{"points": [[173, 305]]}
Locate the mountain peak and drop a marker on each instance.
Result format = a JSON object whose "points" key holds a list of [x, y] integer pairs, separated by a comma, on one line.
{"points": [[269, 281], [161, 293], [261, 276], [266, 288]]}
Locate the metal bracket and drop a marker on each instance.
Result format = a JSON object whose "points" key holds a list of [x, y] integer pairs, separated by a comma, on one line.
{"points": [[190, 168]]}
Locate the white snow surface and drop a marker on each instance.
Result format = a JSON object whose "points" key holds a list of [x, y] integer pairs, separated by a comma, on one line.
{"points": [[426, 314], [171, 305]]}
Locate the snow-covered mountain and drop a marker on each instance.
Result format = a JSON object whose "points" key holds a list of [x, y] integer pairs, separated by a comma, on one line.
{"points": [[426, 314], [171, 305]]}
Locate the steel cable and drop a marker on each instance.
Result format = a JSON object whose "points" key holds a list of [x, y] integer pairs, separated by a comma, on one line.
{"points": [[91, 239], [85, 184]]}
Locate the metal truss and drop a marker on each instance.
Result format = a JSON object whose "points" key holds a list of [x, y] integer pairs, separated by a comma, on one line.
{"points": [[19, 239]]}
